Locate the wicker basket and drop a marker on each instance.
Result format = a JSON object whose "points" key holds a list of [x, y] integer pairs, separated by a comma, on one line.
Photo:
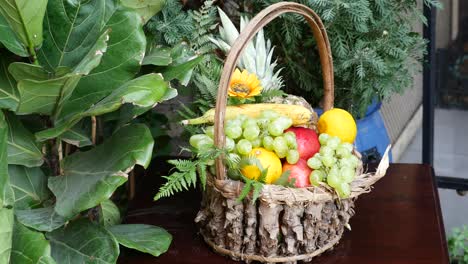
{"points": [[285, 224]]}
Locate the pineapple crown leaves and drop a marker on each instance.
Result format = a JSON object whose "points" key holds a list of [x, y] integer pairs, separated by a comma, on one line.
{"points": [[258, 55]]}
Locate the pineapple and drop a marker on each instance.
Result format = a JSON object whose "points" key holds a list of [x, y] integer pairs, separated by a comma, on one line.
{"points": [[256, 57]]}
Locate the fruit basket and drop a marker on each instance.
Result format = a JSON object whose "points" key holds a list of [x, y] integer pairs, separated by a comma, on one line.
{"points": [[270, 212]]}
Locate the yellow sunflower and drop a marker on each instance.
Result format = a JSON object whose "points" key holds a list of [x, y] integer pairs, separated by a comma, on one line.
{"points": [[244, 85]]}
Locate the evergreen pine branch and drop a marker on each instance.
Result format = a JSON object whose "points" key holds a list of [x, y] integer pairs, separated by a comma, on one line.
{"points": [[383, 27], [172, 24]]}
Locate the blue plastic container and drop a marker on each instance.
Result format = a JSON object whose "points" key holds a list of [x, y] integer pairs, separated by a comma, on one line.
{"points": [[372, 138]]}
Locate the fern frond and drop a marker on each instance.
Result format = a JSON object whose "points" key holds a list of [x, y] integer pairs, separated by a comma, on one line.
{"points": [[257, 189], [176, 182], [202, 174], [185, 175], [246, 190]]}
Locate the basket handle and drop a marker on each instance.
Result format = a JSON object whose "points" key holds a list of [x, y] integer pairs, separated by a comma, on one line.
{"points": [[258, 22]]}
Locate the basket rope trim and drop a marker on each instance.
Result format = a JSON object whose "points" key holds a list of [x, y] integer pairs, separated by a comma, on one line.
{"points": [[283, 195], [243, 256]]}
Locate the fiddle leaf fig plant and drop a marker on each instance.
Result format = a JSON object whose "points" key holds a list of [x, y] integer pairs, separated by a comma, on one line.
{"points": [[66, 68]]}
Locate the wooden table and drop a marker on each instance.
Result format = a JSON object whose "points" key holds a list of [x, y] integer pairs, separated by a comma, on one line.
{"points": [[398, 222]]}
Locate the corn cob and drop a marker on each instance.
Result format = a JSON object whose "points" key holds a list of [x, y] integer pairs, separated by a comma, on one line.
{"points": [[298, 113]]}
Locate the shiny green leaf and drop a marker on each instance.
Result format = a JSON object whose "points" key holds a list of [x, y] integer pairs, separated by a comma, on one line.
{"points": [[83, 242], [77, 136], [127, 45], [41, 219], [9, 97], [42, 96], [25, 19], [145, 238], [6, 233], [9, 39], [183, 63], [29, 186], [71, 29], [158, 56], [6, 192], [145, 8], [26, 71], [109, 213], [22, 148], [46, 96], [29, 247], [92, 176], [143, 92]]}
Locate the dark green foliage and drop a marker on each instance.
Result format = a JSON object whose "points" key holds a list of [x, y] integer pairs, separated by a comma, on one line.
{"points": [[172, 25], [375, 49], [205, 22], [458, 245]]}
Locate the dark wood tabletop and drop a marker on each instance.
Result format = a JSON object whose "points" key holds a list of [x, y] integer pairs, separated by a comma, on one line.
{"points": [[400, 222]]}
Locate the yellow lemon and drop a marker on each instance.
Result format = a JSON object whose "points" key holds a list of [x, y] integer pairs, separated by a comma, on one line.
{"points": [[269, 160], [338, 122]]}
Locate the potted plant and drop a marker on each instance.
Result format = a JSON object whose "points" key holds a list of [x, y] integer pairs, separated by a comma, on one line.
{"points": [[375, 53], [458, 245], [70, 89]]}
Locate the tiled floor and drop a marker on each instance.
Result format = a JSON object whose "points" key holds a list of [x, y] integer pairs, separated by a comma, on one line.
{"points": [[450, 159]]}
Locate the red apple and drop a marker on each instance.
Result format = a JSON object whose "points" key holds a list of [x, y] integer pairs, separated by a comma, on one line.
{"points": [[299, 171], [307, 141]]}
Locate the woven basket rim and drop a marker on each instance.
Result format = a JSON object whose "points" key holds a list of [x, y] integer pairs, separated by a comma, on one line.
{"points": [[288, 195]]}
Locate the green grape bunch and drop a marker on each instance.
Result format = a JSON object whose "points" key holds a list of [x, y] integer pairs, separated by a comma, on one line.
{"points": [[244, 133], [334, 165]]}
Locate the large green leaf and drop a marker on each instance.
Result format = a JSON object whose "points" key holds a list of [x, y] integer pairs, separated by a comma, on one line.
{"points": [[83, 242], [30, 247], [41, 219], [91, 177], [183, 63], [6, 192], [9, 40], [143, 92], [71, 29], [29, 185], [8, 94], [26, 71], [47, 96], [77, 136], [6, 230], [145, 8], [42, 96], [158, 56], [109, 213], [22, 148], [145, 238], [25, 19], [127, 45]]}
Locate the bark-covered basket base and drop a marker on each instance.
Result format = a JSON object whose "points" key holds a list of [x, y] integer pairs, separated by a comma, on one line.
{"points": [[272, 232], [285, 225]]}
